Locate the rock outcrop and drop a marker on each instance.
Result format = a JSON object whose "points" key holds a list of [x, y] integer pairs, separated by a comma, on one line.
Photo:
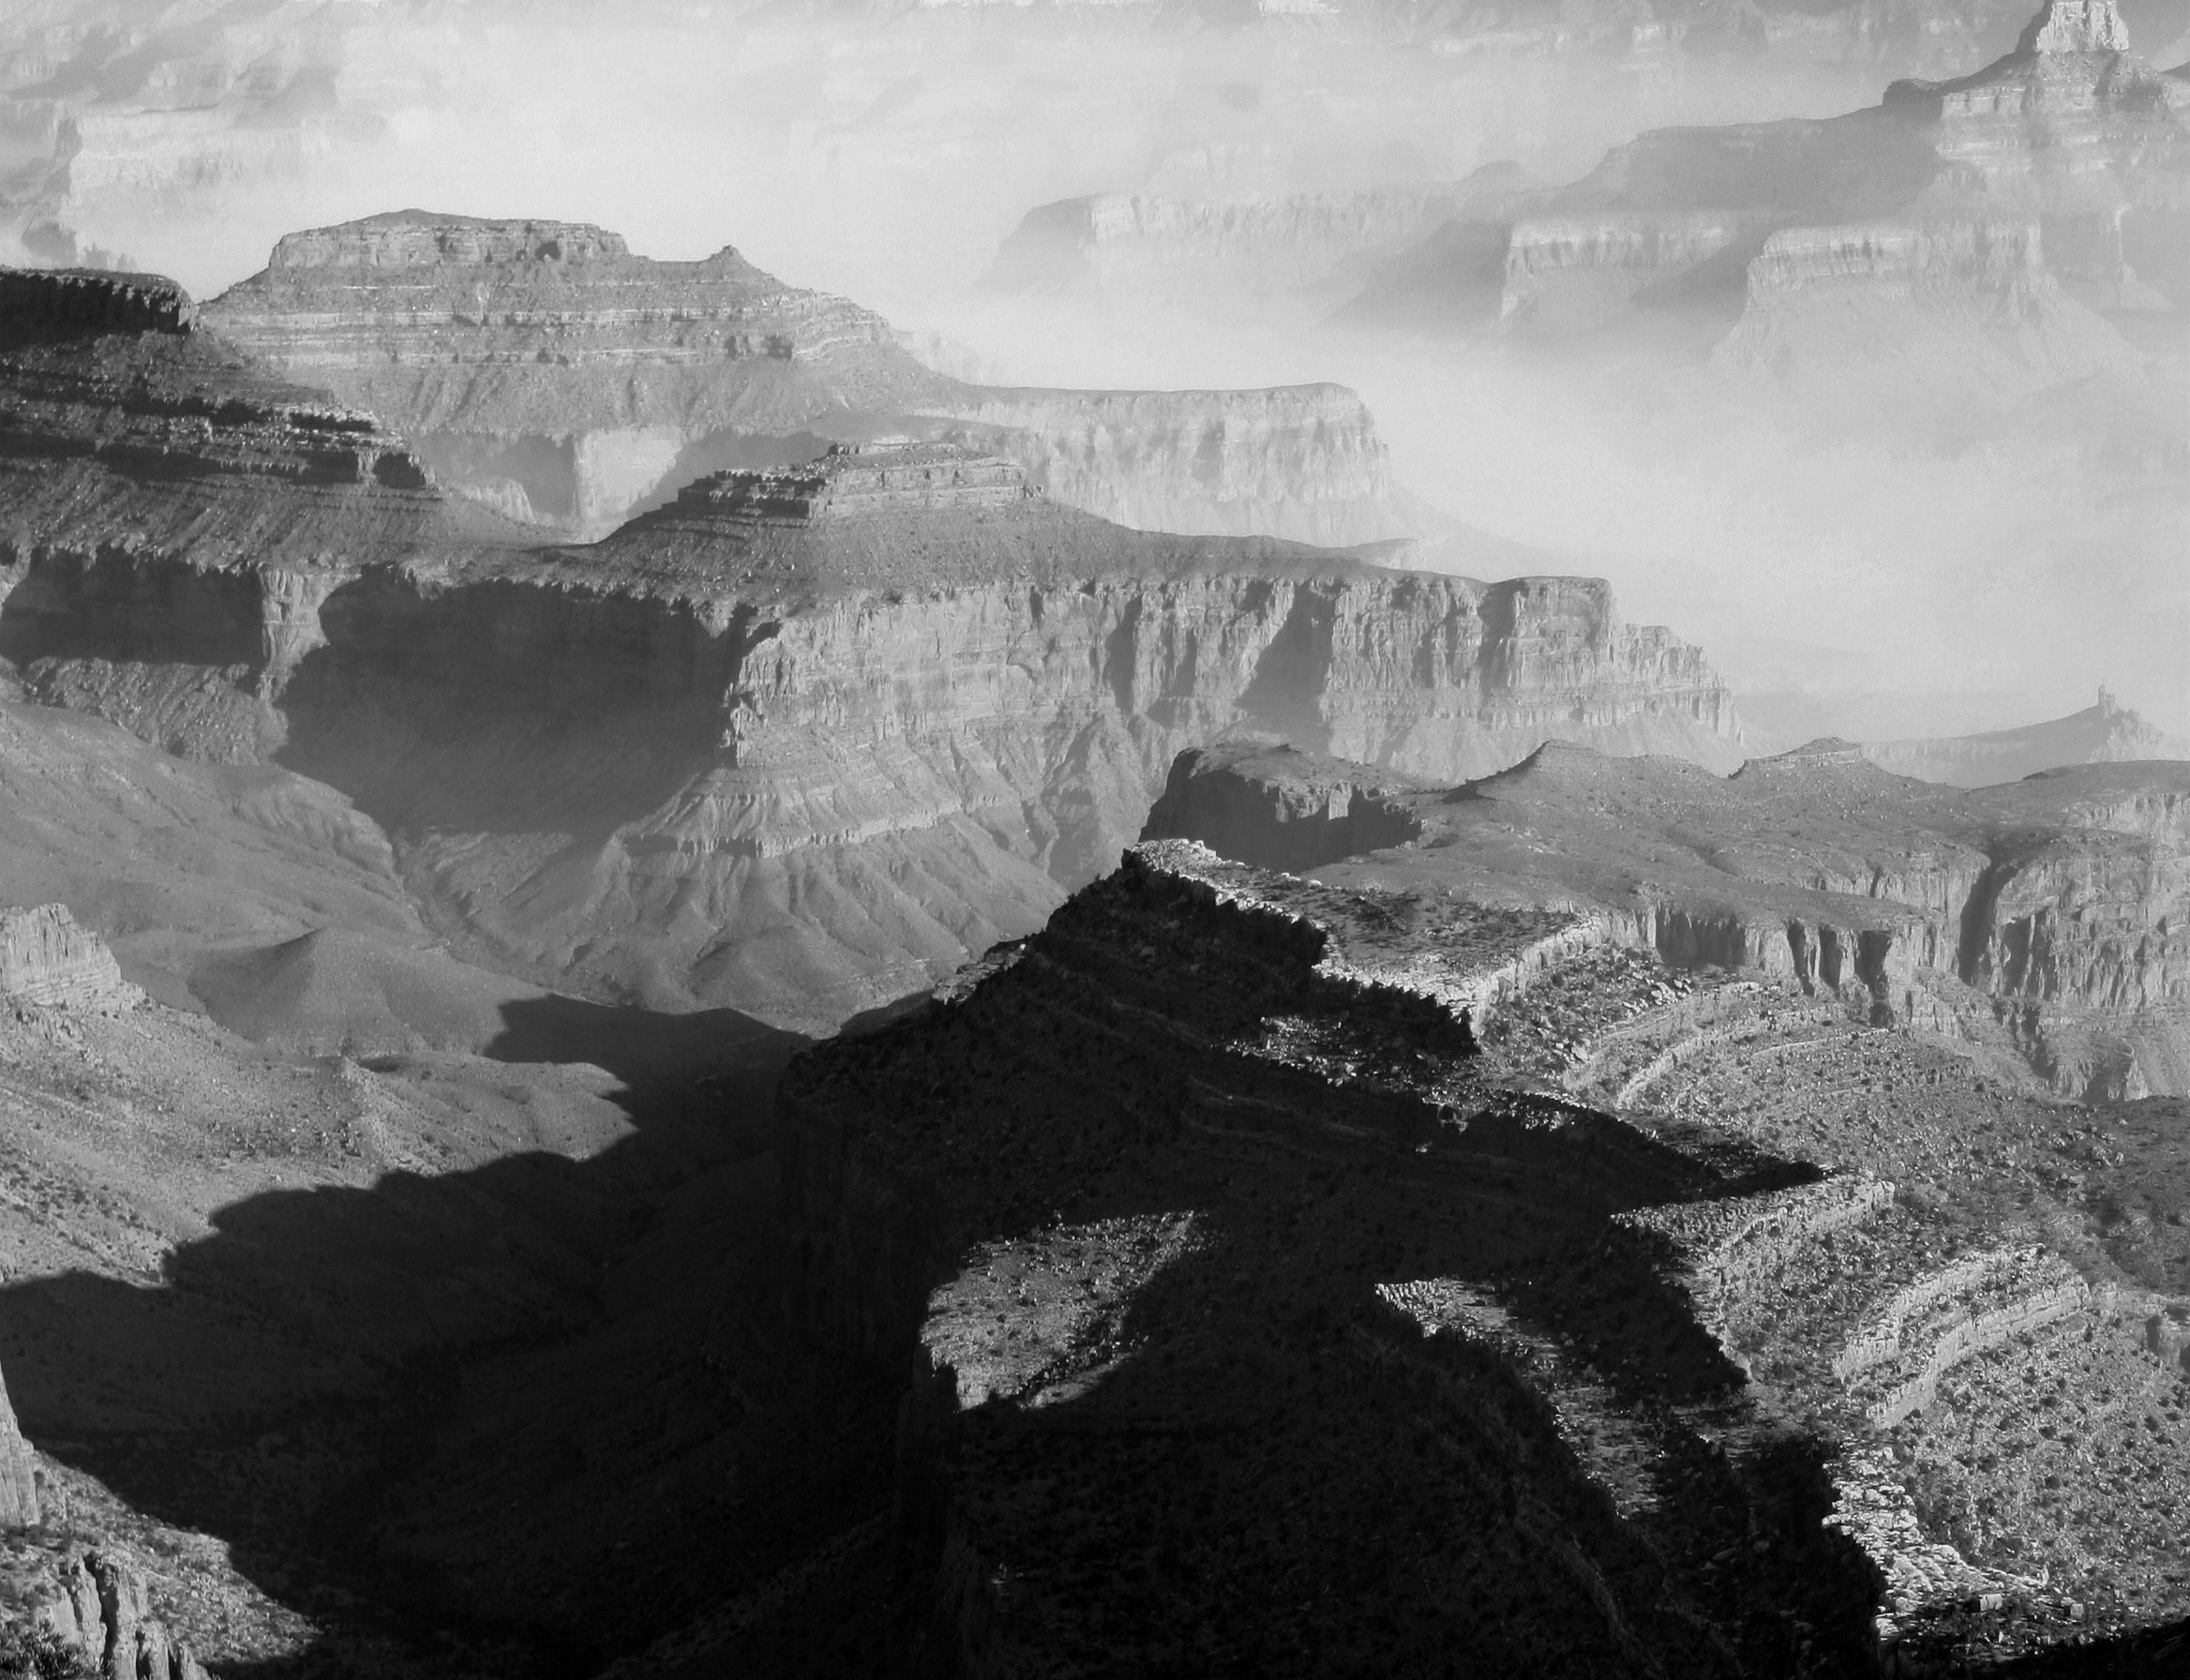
{"points": [[19, 1487], [800, 740], [1297, 251], [1304, 463], [129, 456], [918, 728], [543, 369], [2106, 733], [2046, 915], [2010, 211], [100, 1608], [44, 304], [46, 959]]}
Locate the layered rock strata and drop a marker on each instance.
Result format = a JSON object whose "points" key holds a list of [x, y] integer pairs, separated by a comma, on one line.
{"points": [[173, 520], [46, 959], [1225, 1177], [801, 739], [2045, 914], [544, 370], [2003, 209], [2106, 733]]}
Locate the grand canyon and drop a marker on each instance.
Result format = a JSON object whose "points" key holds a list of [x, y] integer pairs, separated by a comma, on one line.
{"points": [[1024, 956]]}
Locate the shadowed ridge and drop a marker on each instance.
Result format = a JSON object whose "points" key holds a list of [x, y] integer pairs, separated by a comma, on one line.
{"points": [[53, 305]]}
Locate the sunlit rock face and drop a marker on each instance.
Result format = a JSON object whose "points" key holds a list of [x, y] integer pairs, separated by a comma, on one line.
{"points": [[800, 740], [2002, 222], [547, 372], [2108, 732], [545, 369], [1304, 463], [2046, 915]]}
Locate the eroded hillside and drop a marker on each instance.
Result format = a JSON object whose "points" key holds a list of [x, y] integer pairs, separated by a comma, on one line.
{"points": [[1600, 1307], [798, 741]]}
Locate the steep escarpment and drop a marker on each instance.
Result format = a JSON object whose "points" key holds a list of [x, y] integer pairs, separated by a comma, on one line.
{"points": [[1995, 222], [1136, 1220], [46, 959], [19, 1491], [2108, 732], [1304, 463], [1295, 251], [173, 515], [800, 740], [544, 370], [804, 741], [2044, 916], [1237, 1224]]}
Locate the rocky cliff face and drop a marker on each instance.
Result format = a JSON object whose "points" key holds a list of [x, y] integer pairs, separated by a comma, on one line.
{"points": [[1231, 1225], [509, 351], [2106, 733], [805, 760], [2003, 207], [546, 371], [19, 1488], [45, 959], [2045, 914], [1282, 252], [1304, 463], [97, 1606], [801, 739], [175, 519]]}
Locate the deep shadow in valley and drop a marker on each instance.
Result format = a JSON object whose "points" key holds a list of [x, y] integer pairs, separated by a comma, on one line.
{"points": [[513, 1420]]}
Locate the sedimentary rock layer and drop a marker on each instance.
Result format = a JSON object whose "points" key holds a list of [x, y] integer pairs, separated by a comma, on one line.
{"points": [[2045, 914], [45, 959], [547, 372], [802, 739], [1999, 209], [2106, 733]]}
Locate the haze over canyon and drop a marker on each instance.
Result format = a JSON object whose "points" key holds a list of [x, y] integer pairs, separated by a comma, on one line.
{"points": [[1084, 840]]}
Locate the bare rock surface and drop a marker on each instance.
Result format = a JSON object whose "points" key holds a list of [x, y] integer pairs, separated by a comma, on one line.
{"points": [[799, 741], [1975, 234], [550, 374], [47, 959], [2037, 916], [2108, 732], [1666, 1305]]}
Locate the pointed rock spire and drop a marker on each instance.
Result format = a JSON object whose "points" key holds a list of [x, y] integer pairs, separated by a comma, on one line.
{"points": [[2075, 26]]}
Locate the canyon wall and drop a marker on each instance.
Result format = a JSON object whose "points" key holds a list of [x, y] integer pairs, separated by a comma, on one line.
{"points": [[800, 741], [1303, 462], [2044, 916], [2016, 209], [544, 371], [46, 959], [2108, 732], [19, 1488]]}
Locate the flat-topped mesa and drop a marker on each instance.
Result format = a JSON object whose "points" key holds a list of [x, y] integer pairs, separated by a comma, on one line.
{"points": [[417, 239], [43, 305], [886, 479], [401, 313], [542, 368]]}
